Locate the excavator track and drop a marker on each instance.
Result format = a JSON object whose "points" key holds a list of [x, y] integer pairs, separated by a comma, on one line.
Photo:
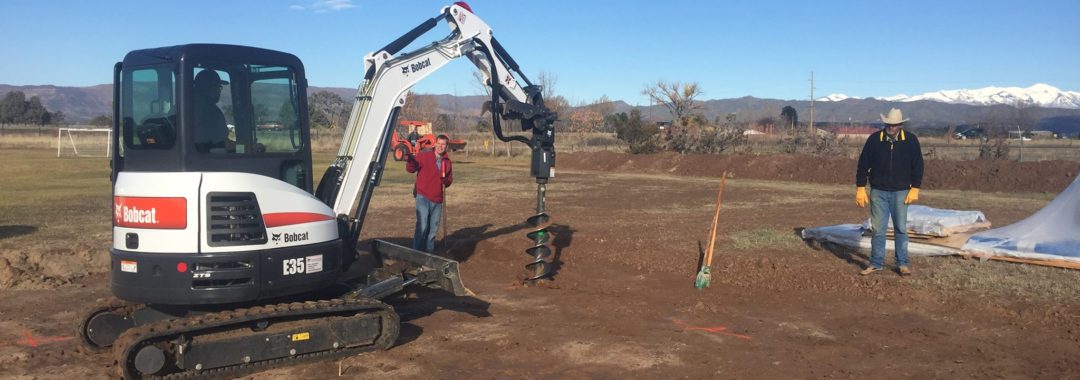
{"points": [[242, 341], [97, 336]]}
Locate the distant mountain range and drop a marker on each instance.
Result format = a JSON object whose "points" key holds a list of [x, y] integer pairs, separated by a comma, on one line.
{"points": [[79, 104], [1042, 95], [1056, 109]]}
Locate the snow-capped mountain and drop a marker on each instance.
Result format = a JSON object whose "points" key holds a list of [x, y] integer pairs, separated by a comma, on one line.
{"points": [[836, 98], [1039, 94]]}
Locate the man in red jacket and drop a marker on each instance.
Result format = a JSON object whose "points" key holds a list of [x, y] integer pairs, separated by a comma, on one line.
{"points": [[433, 174]]}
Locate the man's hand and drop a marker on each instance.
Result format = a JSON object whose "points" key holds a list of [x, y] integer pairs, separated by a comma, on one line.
{"points": [[912, 196], [861, 198]]}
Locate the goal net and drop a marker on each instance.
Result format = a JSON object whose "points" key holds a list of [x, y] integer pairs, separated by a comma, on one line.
{"points": [[80, 142]]}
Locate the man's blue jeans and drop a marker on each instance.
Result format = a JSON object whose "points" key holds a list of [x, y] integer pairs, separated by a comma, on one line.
{"points": [[428, 214], [882, 205]]}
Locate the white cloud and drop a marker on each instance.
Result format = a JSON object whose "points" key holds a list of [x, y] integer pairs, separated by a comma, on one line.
{"points": [[323, 6]]}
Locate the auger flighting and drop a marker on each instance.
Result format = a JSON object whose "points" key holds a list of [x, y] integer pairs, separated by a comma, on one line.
{"points": [[541, 266]]}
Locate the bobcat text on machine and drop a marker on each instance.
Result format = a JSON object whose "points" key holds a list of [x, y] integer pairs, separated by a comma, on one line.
{"points": [[224, 259]]}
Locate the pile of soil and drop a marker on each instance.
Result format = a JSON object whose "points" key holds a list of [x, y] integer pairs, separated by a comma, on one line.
{"points": [[980, 175], [51, 265]]}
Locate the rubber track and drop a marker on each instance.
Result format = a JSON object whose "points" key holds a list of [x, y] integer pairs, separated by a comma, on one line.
{"points": [[125, 345]]}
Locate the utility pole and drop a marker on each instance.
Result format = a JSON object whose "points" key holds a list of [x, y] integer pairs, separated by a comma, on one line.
{"points": [[811, 129], [1021, 135]]}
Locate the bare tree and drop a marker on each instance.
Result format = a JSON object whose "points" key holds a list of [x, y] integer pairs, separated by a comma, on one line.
{"points": [[603, 106], [584, 119], [678, 98], [1027, 115], [329, 108], [420, 108], [480, 83], [547, 83]]}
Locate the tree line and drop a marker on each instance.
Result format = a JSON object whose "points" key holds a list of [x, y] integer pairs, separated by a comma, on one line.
{"points": [[16, 109]]}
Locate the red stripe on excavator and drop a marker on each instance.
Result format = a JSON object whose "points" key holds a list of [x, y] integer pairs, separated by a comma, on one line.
{"points": [[279, 219], [150, 212]]}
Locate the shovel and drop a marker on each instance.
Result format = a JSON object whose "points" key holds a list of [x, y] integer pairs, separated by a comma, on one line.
{"points": [[704, 275], [445, 226]]}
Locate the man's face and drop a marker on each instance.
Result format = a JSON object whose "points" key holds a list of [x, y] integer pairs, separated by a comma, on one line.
{"points": [[213, 92], [440, 146], [893, 129]]}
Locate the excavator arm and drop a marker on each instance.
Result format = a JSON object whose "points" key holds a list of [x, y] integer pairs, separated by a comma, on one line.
{"points": [[349, 182]]}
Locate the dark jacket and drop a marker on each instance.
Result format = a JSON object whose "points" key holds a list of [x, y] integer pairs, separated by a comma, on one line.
{"points": [[428, 178], [892, 164]]}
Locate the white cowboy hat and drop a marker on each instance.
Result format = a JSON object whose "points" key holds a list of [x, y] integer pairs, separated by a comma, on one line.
{"points": [[895, 117]]}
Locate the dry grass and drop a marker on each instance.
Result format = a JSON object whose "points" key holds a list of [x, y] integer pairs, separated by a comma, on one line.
{"points": [[766, 240], [28, 141], [965, 278], [65, 199]]}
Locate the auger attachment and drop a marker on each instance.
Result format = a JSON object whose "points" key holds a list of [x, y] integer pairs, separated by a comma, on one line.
{"points": [[540, 252]]}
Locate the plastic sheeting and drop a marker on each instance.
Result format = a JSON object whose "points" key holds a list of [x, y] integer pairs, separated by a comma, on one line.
{"points": [[1052, 233], [939, 222], [851, 235]]}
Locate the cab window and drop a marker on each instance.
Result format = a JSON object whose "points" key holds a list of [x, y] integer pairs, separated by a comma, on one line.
{"points": [[246, 109], [276, 115], [149, 112]]}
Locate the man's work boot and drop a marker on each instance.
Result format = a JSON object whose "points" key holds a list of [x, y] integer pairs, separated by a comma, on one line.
{"points": [[869, 270], [905, 271]]}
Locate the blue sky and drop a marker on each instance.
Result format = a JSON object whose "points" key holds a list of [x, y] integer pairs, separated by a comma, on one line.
{"points": [[760, 48]]}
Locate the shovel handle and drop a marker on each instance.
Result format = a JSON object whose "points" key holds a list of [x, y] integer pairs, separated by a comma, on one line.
{"points": [[715, 222]]}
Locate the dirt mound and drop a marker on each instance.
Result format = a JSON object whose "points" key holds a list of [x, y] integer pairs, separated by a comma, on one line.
{"points": [[981, 175], [49, 267]]}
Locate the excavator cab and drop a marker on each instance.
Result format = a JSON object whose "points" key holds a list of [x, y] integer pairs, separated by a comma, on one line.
{"points": [[212, 108]]}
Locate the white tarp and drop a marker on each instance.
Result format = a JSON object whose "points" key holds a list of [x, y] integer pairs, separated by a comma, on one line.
{"points": [[939, 222], [1051, 233], [851, 235]]}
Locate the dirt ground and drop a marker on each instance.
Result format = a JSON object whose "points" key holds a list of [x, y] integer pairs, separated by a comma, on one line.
{"points": [[629, 233]]}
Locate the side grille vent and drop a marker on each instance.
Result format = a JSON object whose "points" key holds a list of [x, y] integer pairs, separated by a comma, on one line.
{"points": [[234, 219]]}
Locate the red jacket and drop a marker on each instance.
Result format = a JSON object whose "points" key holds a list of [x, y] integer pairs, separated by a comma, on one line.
{"points": [[428, 176]]}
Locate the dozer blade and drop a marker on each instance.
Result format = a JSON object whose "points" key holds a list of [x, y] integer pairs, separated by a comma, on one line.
{"points": [[423, 268]]}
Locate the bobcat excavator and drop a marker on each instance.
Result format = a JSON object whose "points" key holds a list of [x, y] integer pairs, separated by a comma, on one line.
{"points": [[225, 260]]}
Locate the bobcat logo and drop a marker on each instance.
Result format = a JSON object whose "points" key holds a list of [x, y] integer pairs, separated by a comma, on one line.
{"points": [[276, 238]]}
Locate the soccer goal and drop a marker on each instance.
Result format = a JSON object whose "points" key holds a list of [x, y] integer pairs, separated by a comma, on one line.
{"points": [[81, 142]]}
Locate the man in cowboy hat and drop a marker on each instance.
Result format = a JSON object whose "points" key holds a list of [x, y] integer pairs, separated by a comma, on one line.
{"points": [[892, 161]]}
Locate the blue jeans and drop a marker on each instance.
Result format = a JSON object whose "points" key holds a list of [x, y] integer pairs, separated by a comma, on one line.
{"points": [[882, 205], [428, 214]]}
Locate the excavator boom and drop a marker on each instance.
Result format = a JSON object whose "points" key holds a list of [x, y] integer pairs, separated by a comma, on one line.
{"points": [[349, 182]]}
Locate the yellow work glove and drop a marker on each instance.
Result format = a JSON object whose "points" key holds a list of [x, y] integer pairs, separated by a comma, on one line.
{"points": [[912, 196], [861, 198]]}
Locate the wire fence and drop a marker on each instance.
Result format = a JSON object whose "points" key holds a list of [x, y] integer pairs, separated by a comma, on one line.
{"points": [[485, 144]]}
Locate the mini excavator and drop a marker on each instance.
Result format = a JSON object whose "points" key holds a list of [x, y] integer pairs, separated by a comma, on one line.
{"points": [[225, 260]]}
